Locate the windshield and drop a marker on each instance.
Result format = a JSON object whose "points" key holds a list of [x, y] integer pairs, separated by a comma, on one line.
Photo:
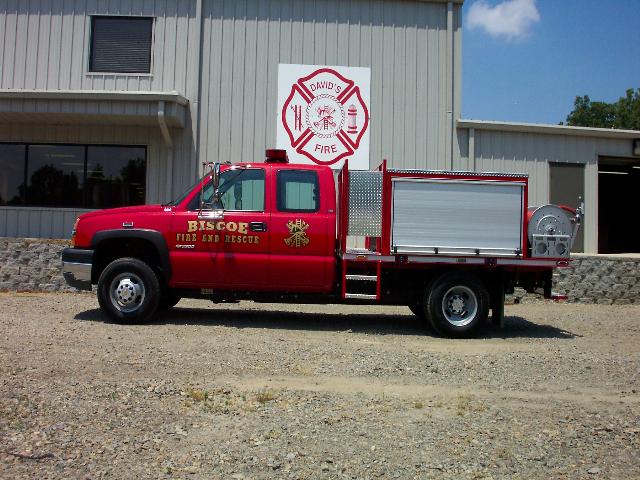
{"points": [[184, 194]]}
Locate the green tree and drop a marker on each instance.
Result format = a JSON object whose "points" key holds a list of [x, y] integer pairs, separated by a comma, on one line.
{"points": [[628, 110], [623, 114]]}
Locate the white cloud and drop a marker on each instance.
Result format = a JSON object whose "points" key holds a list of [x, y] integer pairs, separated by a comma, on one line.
{"points": [[510, 19]]}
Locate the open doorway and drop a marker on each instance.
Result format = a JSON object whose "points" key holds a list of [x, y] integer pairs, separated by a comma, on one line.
{"points": [[618, 183]]}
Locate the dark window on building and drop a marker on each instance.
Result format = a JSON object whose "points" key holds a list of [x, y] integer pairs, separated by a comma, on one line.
{"points": [[84, 176], [55, 175], [297, 191], [121, 44], [115, 176], [12, 165]]}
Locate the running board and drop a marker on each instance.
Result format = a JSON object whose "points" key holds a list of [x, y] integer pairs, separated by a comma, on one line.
{"points": [[367, 278], [360, 296]]}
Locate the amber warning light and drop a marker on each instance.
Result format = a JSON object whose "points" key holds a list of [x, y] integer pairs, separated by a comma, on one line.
{"points": [[276, 156]]}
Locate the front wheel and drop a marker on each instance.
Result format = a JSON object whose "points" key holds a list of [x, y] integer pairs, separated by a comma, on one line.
{"points": [[128, 291], [457, 304]]}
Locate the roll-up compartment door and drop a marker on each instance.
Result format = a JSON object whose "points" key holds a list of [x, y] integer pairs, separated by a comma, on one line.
{"points": [[457, 217]]}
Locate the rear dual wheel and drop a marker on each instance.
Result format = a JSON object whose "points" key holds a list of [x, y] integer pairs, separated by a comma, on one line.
{"points": [[456, 304]]}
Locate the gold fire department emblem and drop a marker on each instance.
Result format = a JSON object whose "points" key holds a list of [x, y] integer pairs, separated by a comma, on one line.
{"points": [[298, 235]]}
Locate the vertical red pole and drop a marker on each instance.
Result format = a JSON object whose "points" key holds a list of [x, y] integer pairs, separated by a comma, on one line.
{"points": [[385, 248], [344, 222], [344, 207], [525, 207], [344, 279]]}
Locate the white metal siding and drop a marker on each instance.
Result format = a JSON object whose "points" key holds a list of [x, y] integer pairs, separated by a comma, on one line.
{"points": [[45, 45], [404, 44]]}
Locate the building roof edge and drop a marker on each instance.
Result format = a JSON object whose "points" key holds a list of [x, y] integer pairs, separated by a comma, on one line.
{"points": [[548, 129], [174, 97]]}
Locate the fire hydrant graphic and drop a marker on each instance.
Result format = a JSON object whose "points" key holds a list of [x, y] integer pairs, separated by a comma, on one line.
{"points": [[353, 121]]}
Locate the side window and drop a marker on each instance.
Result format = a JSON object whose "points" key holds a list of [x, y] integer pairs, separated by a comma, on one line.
{"points": [[239, 189], [242, 190], [298, 191]]}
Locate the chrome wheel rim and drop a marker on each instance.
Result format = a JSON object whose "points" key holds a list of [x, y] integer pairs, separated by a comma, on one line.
{"points": [[127, 292], [459, 305]]}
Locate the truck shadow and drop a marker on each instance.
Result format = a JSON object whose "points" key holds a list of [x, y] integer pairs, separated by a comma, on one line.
{"points": [[379, 324]]}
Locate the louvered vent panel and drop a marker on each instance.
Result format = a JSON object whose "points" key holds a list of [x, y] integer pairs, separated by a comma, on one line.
{"points": [[121, 44]]}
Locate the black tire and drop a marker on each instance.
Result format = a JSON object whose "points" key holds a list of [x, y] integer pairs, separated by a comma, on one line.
{"points": [[128, 291], [457, 305], [168, 300]]}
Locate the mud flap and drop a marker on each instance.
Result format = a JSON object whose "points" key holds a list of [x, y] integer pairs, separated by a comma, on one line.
{"points": [[497, 306]]}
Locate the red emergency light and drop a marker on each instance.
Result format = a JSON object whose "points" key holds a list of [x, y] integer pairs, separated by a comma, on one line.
{"points": [[274, 155]]}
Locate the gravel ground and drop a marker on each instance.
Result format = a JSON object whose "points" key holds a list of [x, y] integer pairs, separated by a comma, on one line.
{"points": [[276, 391]]}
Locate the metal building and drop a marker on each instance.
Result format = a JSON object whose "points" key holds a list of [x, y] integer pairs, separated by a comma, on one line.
{"points": [[199, 82]]}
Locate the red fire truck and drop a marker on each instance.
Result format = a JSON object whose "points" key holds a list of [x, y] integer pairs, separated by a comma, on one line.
{"points": [[448, 245]]}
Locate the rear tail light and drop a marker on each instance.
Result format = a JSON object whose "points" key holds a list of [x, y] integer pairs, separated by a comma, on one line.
{"points": [[559, 297]]}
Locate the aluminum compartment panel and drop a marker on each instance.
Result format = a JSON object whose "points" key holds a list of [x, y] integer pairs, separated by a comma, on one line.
{"points": [[365, 203], [457, 216]]}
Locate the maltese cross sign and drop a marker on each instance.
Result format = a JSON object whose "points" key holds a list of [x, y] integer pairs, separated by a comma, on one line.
{"points": [[323, 114]]}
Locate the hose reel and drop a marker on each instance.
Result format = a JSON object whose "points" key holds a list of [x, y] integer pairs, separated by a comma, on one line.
{"points": [[551, 231]]}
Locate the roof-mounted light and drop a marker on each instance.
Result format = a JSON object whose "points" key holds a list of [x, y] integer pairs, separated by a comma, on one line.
{"points": [[276, 156]]}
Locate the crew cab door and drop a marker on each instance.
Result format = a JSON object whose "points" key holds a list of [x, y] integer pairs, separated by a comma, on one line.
{"points": [[191, 244], [241, 256], [302, 231], [223, 246]]}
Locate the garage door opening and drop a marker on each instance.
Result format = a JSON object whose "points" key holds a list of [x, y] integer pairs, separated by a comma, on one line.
{"points": [[618, 183]]}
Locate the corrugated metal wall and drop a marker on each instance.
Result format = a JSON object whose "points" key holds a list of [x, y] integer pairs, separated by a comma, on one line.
{"points": [[531, 153], [415, 84], [45, 45], [404, 44]]}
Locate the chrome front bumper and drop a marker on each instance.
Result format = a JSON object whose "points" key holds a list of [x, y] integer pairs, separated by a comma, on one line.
{"points": [[76, 267]]}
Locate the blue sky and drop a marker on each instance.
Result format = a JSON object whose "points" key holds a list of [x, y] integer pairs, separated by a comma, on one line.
{"points": [[526, 60]]}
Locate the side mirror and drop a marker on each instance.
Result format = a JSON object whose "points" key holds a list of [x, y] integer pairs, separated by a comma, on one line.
{"points": [[216, 211], [215, 176]]}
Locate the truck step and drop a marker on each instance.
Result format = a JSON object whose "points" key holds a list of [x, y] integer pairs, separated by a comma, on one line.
{"points": [[367, 278], [360, 296]]}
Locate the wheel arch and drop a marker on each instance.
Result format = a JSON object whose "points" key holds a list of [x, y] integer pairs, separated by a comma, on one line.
{"points": [[412, 283], [146, 245]]}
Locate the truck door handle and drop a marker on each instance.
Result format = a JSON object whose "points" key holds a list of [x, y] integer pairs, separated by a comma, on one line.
{"points": [[257, 226]]}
